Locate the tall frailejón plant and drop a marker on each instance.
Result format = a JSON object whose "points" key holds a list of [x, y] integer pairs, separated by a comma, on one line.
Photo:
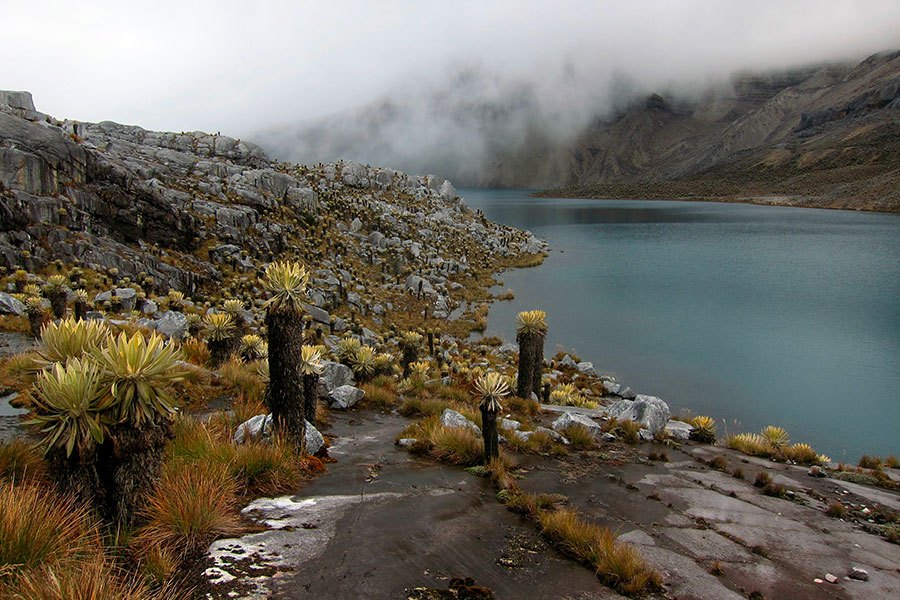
{"points": [[286, 281], [136, 371], [220, 330], [409, 347], [311, 366], [531, 328], [490, 387]]}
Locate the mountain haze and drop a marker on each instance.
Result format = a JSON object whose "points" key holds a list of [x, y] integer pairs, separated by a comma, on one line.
{"points": [[823, 135]]}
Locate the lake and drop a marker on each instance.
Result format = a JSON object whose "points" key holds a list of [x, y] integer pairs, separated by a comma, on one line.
{"points": [[754, 315]]}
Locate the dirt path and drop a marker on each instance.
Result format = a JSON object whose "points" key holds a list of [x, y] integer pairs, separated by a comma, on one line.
{"points": [[382, 522]]}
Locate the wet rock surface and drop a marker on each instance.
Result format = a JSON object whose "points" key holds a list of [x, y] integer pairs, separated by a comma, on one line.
{"points": [[382, 523]]}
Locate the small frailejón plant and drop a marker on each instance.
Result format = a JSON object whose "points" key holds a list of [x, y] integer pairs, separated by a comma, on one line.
{"points": [[491, 387], [80, 305], [311, 366], [364, 365], [37, 316], [409, 347], [252, 347], [704, 429], [69, 338], [220, 331], [55, 291], [531, 328], [286, 281]]}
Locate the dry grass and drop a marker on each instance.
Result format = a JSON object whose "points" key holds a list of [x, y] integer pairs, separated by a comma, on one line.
{"points": [[15, 324], [416, 406], [579, 437], [379, 397], [189, 509], [618, 565], [242, 378], [522, 406], [196, 351], [626, 430], [17, 372], [20, 462], [456, 445], [98, 580], [41, 529], [266, 469]]}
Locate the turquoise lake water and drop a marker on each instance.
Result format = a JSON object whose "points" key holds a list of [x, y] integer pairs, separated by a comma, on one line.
{"points": [[754, 315]]}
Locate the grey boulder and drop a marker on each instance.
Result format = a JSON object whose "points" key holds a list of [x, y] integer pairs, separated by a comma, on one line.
{"points": [[568, 419], [260, 428], [451, 418], [333, 376], [679, 430], [173, 324], [10, 305], [345, 396], [649, 411]]}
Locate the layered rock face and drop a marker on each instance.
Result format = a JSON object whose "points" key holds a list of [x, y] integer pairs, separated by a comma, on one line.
{"points": [[194, 209]]}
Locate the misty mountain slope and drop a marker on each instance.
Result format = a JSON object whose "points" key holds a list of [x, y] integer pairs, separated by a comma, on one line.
{"points": [[822, 135]]}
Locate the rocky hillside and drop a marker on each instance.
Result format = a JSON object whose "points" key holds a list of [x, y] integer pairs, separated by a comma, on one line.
{"points": [[820, 136], [203, 213]]}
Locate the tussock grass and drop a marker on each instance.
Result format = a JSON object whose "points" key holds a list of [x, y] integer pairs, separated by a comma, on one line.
{"points": [[18, 371], [189, 509], [415, 406], [618, 565], [626, 430], [580, 437], [98, 580], [196, 351], [772, 442], [454, 394], [42, 529], [14, 323], [266, 469], [21, 461], [522, 406], [242, 377], [378, 396], [456, 445]]}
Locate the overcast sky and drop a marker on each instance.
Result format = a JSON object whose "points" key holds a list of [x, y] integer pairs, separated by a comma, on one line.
{"points": [[237, 67]]}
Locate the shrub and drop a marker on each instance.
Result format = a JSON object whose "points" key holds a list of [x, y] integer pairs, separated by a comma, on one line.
{"points": [[618, 565], [97, 580], [191, 506], [39, 528], [762, 479], [579, 436], [21, 462], [456, 445]]}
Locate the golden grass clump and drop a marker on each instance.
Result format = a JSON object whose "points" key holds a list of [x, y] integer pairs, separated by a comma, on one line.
{"points": [[579, 437], [625, 429], [749, 443], [21, 461], [569, 395], [195, 351], [190, 507], [97, 580], [618, 565], [456, 445], [242, 377], [41, 529], [378, 396]]}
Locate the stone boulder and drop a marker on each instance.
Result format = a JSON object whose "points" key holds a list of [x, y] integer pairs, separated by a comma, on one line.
{"points": [[679, 430], [10, 305], [260, 428], [649, 411], [345, 396], [127, 296], [451, 418], [586, 368], [334, 375], [568, 419], [173, 324]]}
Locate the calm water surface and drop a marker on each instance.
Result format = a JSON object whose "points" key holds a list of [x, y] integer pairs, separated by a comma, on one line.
{"points": [[754, 315]]}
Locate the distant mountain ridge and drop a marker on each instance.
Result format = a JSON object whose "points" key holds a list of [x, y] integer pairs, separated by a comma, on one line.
{"points": [[826, 135]]}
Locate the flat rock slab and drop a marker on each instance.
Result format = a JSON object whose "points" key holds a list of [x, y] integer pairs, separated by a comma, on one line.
{"points": [[381, 522]]}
